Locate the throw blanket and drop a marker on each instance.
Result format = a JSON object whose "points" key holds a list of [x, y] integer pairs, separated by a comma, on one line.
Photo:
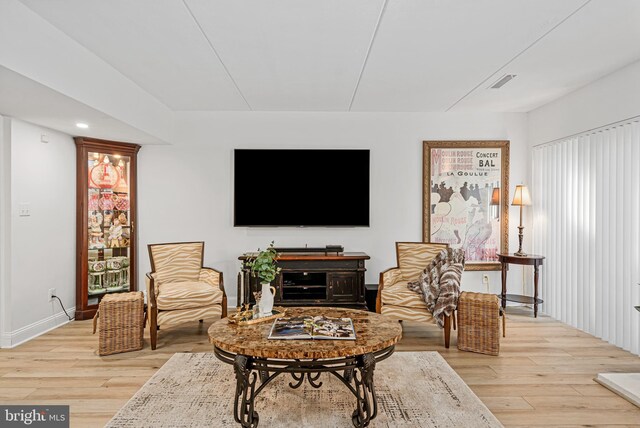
{"points": [[439, 283]]}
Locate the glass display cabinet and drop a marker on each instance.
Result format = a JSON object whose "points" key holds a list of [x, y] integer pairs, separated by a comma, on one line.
{"points": [[106, 221]]}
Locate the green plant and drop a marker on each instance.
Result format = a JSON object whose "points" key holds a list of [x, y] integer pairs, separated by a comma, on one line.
{"points": [[264, 265]]}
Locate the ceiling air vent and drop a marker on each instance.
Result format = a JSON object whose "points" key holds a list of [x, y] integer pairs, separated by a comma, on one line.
{"points": [[502, 81]]}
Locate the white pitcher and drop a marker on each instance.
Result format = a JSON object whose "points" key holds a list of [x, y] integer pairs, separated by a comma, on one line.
{"points": [[266, 301]]}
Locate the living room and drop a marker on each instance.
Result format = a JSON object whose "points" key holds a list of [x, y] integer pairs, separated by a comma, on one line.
{"points": [[192, 82]]}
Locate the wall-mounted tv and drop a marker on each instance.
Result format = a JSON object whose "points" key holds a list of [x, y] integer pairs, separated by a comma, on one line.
{"points": [[301, 188]]}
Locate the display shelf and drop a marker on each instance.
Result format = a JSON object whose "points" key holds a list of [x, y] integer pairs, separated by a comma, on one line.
{"points": [[106, 213], [516, 298]]}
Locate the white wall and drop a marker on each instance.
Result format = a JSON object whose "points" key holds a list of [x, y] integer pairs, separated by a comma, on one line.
{"points": [[610, 99], [5, 232], [42, 250], [185, 190]]}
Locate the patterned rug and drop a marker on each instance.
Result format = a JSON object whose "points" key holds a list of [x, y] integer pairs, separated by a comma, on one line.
{"points": [[415, 389]]}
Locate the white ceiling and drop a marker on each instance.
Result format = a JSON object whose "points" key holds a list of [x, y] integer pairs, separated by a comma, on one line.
{"points": [[602, 37], [353, 55], [36, 103], [429, 54]]}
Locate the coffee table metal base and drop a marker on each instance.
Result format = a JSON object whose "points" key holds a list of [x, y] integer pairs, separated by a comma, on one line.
{"points": [[356, 372]]}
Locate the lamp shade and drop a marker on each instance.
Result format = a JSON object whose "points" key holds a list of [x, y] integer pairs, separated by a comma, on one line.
{"points": [[521, 196], [495, 196]]}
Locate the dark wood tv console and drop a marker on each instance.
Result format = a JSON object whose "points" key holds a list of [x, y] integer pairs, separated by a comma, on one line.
{"points": [[311, 279]]}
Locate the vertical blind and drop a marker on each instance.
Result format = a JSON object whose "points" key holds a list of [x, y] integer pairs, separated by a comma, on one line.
{"points": [[586, 202]]}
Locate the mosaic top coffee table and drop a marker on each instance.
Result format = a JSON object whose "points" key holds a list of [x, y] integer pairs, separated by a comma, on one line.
{"points": [[254, 357]]}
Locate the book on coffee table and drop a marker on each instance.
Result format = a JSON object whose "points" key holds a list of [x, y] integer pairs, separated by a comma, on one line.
{"points": [[318, 327]]}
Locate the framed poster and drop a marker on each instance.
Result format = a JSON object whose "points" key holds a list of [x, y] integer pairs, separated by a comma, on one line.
{"points": [[466, 197]]}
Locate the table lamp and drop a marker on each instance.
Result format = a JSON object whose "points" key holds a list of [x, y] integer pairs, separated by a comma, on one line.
{"points": [[495, 202], [521, 198], [495, 196]]}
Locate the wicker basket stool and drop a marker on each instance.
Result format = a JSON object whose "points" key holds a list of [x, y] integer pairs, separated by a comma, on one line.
{"points": [[121, 320], [479, 323]]}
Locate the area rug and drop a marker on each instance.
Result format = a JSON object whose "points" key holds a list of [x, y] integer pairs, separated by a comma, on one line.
{"points": [[415, 389]]}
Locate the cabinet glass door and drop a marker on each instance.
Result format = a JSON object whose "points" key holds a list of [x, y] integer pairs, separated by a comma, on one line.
{"points": [[109, 224]]}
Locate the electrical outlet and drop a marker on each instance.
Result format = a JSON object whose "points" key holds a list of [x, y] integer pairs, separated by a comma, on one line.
{"points": [[485, 281], [52, 292]]}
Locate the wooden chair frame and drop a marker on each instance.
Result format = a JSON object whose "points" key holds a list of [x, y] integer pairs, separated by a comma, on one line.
{"points": [[449, 320], [152, 307]]}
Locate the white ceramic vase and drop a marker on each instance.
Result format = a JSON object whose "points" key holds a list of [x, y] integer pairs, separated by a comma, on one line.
{"points": [[266, 301]]}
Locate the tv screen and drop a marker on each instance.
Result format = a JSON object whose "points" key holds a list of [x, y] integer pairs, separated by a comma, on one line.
{"points": [[301, 187]]}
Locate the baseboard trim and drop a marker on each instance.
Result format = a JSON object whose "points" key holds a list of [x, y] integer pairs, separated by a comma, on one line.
{"points": [[36, 329]]}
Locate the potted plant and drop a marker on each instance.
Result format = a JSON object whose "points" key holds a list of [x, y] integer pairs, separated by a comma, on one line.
{"points": [[265, 267]]}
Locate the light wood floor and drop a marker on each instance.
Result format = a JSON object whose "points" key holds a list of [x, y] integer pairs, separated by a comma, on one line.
{"points": [[543, 376]]}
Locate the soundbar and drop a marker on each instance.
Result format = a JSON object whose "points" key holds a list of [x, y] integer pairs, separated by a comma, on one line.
{"points": [[326, 249]]}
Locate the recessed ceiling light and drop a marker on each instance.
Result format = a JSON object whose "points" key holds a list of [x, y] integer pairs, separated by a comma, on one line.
{"points": [[82, 125]]}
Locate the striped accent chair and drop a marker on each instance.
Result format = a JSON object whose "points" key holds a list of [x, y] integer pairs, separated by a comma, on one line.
{"points": [[180, 289], [395, 299]]}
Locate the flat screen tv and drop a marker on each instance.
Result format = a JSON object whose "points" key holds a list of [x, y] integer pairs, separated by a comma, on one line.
{"points": [[301, 188]]}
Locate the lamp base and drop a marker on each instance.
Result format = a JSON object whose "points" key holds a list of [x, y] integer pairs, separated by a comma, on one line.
{"points": [[520, 236]]}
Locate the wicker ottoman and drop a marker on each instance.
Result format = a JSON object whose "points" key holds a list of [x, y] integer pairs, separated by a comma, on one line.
{"points": [[479, 323], [121, 323]]}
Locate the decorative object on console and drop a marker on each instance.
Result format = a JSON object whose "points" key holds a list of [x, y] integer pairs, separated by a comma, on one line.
{"points": [[256, 307], [246, 316], [459, 182], [521, 198], [265, 267], [266, 301]]}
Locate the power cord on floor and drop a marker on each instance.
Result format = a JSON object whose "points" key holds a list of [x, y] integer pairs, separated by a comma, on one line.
{"points": [[65, 311]]}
